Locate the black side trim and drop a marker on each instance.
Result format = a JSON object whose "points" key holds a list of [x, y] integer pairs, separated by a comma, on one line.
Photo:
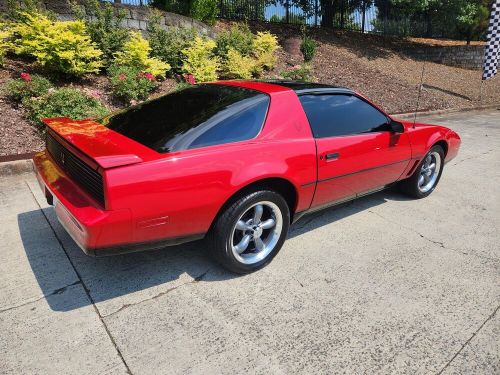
{"points": [[142, 246], [364, 170]]}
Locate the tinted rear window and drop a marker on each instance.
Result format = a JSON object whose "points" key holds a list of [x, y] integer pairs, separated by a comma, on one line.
{"points": [[198, 116]]}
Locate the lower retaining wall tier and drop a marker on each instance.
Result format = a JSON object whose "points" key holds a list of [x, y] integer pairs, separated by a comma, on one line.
{"points": [[468, 57]]}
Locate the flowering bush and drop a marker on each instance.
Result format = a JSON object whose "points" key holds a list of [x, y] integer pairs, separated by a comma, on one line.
{"points": [[265, 45], [27, 86], [238, 66], [200, 60], [61, 46], [190, 79], [65, 102], [129, 83], [135, 54]]}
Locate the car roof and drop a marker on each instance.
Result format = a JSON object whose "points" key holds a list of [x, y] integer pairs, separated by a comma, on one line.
{"points": [[270, 86]]}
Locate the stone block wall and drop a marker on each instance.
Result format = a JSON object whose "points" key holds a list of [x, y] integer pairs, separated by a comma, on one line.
{"points": [[468, 57], [136, 17]]}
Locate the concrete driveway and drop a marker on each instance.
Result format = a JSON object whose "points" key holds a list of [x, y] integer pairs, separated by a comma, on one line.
{"points": [[380, 285]]}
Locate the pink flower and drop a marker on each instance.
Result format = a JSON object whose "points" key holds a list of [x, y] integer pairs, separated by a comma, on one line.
{"points": [[149, 76], [189, 78], [122, 77], [26, 77]]}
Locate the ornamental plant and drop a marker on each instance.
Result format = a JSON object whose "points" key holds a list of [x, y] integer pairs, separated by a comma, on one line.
{"points": [[308, 48], [129, 83], [200, 60], [167, 45], [135, 54], [238, 66], [61, 46], [238, 37], [65, 102], [264, 47], [301, 73], [5, 44], [205, 10], [103, 24], [27, 86]]}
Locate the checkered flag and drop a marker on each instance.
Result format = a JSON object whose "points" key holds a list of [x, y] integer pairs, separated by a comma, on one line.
{"points": [[492, 49]]}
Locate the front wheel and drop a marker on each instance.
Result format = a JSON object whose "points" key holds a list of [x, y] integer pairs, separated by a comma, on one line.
{"points": [[250, 232], [426, 176]]}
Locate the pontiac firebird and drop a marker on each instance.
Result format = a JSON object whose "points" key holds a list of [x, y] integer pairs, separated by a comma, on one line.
{"points": [[234, 162]]}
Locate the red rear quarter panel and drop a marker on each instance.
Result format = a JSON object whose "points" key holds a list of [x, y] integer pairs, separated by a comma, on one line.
{"points": [[182, 193]]}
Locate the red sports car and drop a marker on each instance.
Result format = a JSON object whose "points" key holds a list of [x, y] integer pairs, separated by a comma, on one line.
{"points": [[235, 162]]}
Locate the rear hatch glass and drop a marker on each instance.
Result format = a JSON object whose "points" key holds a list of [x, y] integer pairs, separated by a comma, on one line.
{"points": [[202, 115]]}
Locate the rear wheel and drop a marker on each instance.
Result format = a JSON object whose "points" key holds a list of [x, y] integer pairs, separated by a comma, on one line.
{"points": [[426, 176], [250, 232]]}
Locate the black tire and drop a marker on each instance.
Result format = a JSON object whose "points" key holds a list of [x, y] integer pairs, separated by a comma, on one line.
{"points": [[220, 238], [410, 186]]}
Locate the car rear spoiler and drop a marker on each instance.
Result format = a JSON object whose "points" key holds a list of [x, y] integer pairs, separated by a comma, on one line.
{"points": [[106, 147]]}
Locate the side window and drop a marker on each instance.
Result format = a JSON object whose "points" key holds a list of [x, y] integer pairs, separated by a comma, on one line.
{"points": [[333, 115]]}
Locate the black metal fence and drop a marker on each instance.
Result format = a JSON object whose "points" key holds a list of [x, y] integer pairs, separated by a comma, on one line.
{"points": [[367, 16]]}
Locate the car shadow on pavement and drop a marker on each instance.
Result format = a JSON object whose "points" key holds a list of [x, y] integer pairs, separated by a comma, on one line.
{"points": [[107, 278]]}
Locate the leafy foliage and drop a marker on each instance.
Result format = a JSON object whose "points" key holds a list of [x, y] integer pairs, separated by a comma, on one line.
{"points": [[265, 45], [135, 54], [65, 102], [129, 83], [103, 25], [167, 45], [205, 11], [5, 44], [27, 86], [200, 60], [238, 36], [63, 47], [238, 66], [308, 48], [301, 73]]}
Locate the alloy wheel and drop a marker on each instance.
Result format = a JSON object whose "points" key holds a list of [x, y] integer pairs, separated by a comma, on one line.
{"points": [[256, 232]]}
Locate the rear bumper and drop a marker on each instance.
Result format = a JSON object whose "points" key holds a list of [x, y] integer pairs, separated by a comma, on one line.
{"points": [[87, 223]]}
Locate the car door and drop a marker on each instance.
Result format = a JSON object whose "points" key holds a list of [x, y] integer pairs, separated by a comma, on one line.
{"points": [[357, 150]]}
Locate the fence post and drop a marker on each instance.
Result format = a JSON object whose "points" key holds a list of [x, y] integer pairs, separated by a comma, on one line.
{"points": [[363, 14], [221, 9], [342, 11], [287, 11], [315, 12]]}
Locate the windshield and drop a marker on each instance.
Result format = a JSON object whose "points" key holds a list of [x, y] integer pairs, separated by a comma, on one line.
{"points": [[198, 116]]}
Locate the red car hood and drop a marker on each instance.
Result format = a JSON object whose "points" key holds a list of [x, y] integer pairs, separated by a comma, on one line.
{"points": [[107, 147]]}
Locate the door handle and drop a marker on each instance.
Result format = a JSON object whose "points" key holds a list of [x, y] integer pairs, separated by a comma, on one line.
{"points": [[332, 156]]}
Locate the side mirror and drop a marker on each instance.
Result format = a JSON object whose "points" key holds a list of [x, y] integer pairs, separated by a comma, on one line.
{"points": [[396, 126]]}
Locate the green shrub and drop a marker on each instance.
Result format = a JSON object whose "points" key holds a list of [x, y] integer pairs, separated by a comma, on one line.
{"points": [[238, 66], [63, 47], [175, 6], [302, 73], [264, 47], [167, 45], [205, 11], [65, 102], [103, 24], [238, 37], [200, 60], [27, 86], [5, 45], [129, 83], [135, 54], [308, 48]]}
